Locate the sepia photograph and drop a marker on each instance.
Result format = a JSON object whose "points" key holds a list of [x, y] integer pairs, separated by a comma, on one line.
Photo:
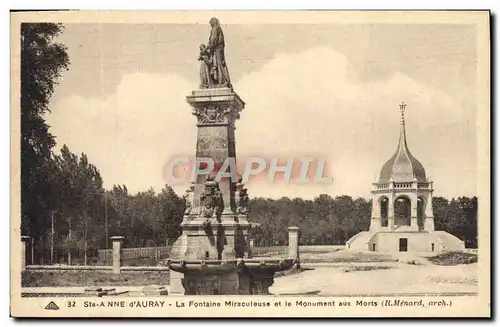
{"points": [[250, 164]]}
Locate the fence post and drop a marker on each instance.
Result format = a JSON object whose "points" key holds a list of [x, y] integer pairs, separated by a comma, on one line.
{"points": [[117, 253], [293, 243], [24, 245]]}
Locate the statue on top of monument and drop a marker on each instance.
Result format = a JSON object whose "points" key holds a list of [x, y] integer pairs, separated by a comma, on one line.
{"points": [[213, 60], [205, 67]]}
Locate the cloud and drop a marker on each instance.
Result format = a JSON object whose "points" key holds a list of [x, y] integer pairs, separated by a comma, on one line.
{"points": [[130, 134], [309, 103], [313, 102]]}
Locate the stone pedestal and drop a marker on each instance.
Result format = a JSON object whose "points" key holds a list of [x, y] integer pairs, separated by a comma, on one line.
{"points": [[293, 243], [117, 253], [210, 255], [212, 228], [25, 240], [216, 111]]}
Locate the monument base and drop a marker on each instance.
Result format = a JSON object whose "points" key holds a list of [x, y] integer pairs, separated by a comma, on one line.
{"points": [[405, 241], [232, 277], [213, 239]]}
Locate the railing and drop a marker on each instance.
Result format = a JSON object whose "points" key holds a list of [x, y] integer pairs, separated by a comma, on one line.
{"points": [[383, 186], [147, 256], [118, 258], [402, 185], [270, 251]]}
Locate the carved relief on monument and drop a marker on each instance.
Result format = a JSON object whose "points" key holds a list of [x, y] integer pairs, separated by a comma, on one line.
{"points": [[215, 113], [241, 198], [211, 199], [206, 146], [202, 285], [209, 286], [188, 198]]}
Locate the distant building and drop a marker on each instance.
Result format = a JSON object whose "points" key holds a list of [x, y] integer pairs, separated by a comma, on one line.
{"points": [[402, 219]]}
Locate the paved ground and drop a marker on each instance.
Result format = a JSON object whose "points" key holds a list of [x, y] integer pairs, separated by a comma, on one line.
{"points": [[344, 280], [396, 278]]}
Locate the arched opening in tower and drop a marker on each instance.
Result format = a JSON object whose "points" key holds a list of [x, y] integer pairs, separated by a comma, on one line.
{"points": [[402, 211], [384, 211], [420, 213]]}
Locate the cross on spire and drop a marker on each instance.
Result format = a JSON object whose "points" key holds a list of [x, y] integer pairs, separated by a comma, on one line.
{"points": [[402, 107]]}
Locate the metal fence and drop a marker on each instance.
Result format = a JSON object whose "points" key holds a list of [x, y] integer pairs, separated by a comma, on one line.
{"points": [[40, 253], [146, 256], [140, 256], [270, 251]]}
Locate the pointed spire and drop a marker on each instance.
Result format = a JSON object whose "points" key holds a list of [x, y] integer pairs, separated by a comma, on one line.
{"points": [[402, 107], [402, 166], [402, 133]]}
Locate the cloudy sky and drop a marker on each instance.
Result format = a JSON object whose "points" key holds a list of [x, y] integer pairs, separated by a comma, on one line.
{"points": [[325, 90]]}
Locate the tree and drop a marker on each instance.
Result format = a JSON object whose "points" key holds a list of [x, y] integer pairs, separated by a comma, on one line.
{"points": [[42, 62], [171, 213], [80, 204], [333, 221], [440, 209]]}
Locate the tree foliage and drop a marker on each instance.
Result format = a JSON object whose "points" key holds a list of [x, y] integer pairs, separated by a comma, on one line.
{"points": [[146, 218], [42, 62], [324, 220], [327, 220], [458, 217]]}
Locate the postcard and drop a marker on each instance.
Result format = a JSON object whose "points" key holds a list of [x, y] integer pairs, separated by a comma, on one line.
{"points": [[250, 164]]}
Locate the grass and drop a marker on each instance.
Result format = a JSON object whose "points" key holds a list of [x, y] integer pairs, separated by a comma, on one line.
{"points": [[453, 258], [106, 278], [93, 278], [347, 257]]}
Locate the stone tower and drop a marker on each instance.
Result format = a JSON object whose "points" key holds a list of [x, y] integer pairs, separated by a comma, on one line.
{"points": [[402, 219], [402, 183]]}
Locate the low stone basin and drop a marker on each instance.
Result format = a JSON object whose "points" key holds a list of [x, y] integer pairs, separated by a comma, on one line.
{"points": [[235, 276]]}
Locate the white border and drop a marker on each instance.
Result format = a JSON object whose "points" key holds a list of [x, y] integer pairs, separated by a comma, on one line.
{"points": [[185, 4]]}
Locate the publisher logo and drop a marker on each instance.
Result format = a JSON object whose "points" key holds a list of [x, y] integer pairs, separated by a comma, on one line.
{"points": [[51, 306]]}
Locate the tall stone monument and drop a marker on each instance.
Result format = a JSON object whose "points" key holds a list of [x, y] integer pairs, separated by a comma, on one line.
{"points": [[402, 218], [212, 254]]}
